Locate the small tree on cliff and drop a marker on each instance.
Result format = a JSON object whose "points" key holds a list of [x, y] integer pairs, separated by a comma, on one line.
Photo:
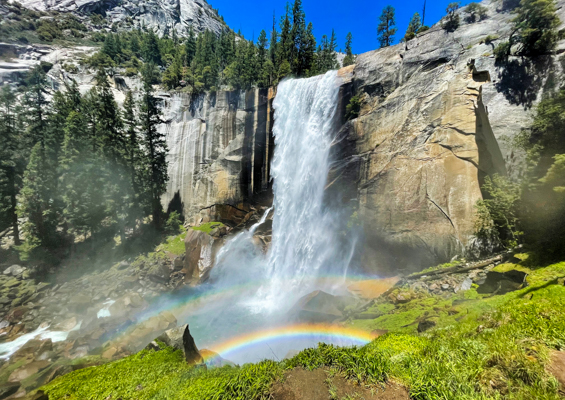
{"points": [[451, 20], [386, 29], [349, 57], [413, 27], [536, 23], [154, 144]]}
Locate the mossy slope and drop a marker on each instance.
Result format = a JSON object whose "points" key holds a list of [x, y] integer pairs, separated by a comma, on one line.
{"points": [[493, 348]]}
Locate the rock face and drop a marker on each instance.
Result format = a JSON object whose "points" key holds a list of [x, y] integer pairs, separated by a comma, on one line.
{"points": [[199, 255], [161, 15], [435, 118], [181, 339], [219, 151]]}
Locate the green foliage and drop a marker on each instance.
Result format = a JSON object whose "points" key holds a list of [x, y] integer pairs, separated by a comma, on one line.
{"points": [[475, 12], [353, 109], [208, 227], [349, 57], [174, 223], [502, 51], [490, 39], [536, 25], [413, 27], [452, 20], [386, 28], [497, 213]]}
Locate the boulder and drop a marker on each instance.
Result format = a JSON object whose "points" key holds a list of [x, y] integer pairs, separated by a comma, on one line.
{"points": [[28, 370], [502, 282], [426, 325], [14, 270], [320, 306], [181, 339], [199, 256], [7, 389]]}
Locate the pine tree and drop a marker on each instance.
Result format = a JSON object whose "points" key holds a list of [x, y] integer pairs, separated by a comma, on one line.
{"points": [[451, 21], [12, 161], [413, 27], [386, 29], [36, 106], [349, 58], [298, 39], [150, 49], [133, 159], [109, 47], [273, 42], [536, 23], [286, 41], [309, 52], [154, 145], [189, 47], [262, 58]]}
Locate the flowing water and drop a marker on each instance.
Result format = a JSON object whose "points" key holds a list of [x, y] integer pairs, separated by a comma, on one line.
{"points": [[251, 291]]}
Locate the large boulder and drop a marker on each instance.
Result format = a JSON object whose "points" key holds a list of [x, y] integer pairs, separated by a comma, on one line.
{"points": [[320, 306], [181, 339], [199, 256]]}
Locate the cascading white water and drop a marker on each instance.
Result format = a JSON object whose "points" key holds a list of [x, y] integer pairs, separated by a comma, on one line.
{"points": [[303, 242], [251, 290]]}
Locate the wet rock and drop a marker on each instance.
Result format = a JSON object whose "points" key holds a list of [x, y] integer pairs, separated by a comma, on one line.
{"points": [[502, 282], [8, 389], [80, 302], [426, 325], [39, 395], [199, 255], [14, 270], [445, 286], [28, 370], [465, 285], [181, 339], [320, 306]]}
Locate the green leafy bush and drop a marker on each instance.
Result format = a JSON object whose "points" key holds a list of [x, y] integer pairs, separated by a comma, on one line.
{"points": [[451, 21], [353, 109], [497, 213]]}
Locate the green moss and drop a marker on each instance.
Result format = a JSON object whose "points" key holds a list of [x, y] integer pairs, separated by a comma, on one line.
{"points": [[208, 227], [174, 245], [440, 266]]}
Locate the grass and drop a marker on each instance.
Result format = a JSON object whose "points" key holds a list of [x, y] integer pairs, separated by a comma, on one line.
{"points": [[208, 227], [482, 348]]}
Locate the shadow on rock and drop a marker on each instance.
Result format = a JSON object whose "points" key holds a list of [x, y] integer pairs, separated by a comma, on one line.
{"points": [[521, 79]]}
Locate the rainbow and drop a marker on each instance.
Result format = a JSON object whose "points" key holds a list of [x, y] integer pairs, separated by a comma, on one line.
{"points": [[298, 331]]}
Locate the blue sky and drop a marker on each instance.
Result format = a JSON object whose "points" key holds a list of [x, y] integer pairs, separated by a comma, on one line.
{"points": [[358, 16]]}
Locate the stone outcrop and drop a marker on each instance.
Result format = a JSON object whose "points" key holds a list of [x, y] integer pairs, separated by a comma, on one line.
{"points": [[220, 145], [161, 15], [181, 339], [437, 116]]}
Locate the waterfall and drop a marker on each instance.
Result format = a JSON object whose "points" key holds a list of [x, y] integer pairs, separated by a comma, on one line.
{"points": [[303, 243]]}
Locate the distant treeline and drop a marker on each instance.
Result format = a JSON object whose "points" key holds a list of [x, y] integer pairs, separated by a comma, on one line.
{"points": [[211, 62]]}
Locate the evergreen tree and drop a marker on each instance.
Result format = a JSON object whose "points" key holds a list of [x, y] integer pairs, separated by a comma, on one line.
{"points": [[273, 43], [134, 160], [309, 52], [536, 23], [413, 27], [286, 42], [262, 58], [36, 106], [298, 39], [451, 21], [154, 145], [12, 161], [77, 174], [109, 47], [386, 29], [150, 49], [349, 58], [189, 47]]}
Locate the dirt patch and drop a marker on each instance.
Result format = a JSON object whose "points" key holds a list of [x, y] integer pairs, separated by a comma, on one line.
{"points": [[557, 368], [300, 384]]}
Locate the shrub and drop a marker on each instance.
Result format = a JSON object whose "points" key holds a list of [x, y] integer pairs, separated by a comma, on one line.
{"points": [[536, 24], [173, 226], [353, 109], [451, 21], [475, 12], [497, 213], [502, 51]]}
